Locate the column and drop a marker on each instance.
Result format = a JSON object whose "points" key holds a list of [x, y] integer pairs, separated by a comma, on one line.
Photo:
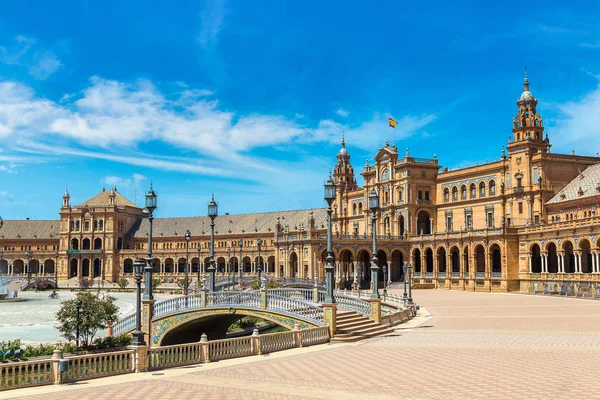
{"points": [[578, 262], [561, 263], [417, 226], [430, 225], [530, 262], [544, 270], [436, 267], [595, 262]]}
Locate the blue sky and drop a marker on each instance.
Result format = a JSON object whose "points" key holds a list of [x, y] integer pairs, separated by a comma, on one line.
{"points": [[249, 99]]}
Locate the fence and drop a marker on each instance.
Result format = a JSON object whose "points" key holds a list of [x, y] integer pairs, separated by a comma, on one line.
{"points": [[25, 373], [97, 365]]}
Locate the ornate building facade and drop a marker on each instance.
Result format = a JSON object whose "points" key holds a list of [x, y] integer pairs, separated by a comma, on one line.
{"points": [[527, 218]]}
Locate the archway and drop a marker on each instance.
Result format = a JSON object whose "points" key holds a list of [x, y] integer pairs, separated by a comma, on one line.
{"points": [[74, 266], [536, 259], [85, 267], [417, 261], [181, 265], [4, 266], [397, 266], [74, 244], [429, 261], [346, 268], [423, 223], [586, 257], [480, 260], [169, 265], [97, 244], [195, 264], [156, 265], [49, 266], [271, 264], [569, 257], [97, 267], [455, 259], [18, 267], [401, 225], [85, 244], [441, 259], [247, 264], [496, 258], [364, 267], [128, 266], [552, 258], [293, 265], [382, 260]]}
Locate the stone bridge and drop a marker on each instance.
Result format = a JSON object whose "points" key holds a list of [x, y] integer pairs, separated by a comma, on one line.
{"points": [[185, 318]]}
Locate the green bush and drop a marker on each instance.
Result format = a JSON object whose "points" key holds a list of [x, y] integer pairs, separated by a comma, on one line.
{"points": [[122, 283]]}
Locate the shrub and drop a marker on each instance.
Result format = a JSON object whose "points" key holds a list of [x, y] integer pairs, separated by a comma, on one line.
{"points": [[85, 283], [122, 283]]}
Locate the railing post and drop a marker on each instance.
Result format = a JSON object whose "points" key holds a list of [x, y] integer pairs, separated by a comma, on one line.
{"points": [[375, 310], [109, 329], [315, 295], [263, 299], [255, 343], [56, 356], [140, 358], [329, 317], [203, 298], [297, 335], [147, 315], [204, 354]]}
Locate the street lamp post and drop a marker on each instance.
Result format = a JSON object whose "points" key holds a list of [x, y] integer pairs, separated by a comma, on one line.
{"points": [[228, 266], [199, 251], [374, 206], [56, 270], [1, 259], [410, 300], [29, 255], [234, 244], [404, 268], [188, 236], [329, 198], [78, 306], [213, 211], [138, 335], [385, 271], [258, 244], [240, 263], [150, 207]]}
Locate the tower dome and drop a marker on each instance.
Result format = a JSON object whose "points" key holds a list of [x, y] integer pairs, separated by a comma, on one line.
{"points": [[343, 151], [526, 96]]}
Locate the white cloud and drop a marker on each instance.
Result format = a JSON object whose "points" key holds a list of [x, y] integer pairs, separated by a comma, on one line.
{"points": [[342, 113], [124, 183], [211, 23], [40, 64], [577, 126]]}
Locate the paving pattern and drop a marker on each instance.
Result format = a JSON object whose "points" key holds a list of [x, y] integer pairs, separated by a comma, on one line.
{"points": [[474, 346]]}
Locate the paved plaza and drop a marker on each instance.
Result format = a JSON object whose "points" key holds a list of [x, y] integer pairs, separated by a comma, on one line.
{"points": [[462, 345]]}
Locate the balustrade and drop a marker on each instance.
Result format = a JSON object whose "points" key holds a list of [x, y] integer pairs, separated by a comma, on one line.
{"points": [[99, 364], [277, 342], [25, 373]]}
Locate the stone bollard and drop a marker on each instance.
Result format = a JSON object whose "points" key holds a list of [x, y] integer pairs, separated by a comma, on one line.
{"points": [[109, 329], [255, 343], [329, 317], [56, 377], [140, 358], [297, 335], [204, 355], [147, 315]]}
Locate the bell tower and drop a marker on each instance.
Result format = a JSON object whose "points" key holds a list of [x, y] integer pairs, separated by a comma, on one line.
{"points": [[343, 173], [528, 128]]}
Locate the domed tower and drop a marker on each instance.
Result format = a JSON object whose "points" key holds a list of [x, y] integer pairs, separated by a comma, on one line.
{"points": [[343, 174], [528, 129], [66, 199]]}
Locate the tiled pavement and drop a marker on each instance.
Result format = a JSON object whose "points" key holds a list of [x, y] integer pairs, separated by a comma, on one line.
{"points": [[474, 346]]}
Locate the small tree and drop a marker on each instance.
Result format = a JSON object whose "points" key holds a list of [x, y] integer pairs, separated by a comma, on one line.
{"points": [[95, 314], [122, 283], [85, 283], [155, 283]]}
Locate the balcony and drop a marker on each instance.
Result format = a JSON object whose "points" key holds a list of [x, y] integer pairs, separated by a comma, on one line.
{"points": [[421, 201], [480, 275], [497, 275], [86, 251], [456, 274]]}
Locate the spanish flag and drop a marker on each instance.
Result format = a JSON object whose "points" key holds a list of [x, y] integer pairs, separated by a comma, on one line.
{"points": [[392, 122]]}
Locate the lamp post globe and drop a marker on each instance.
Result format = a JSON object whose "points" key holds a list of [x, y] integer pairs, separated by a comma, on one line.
{"points": [[151, 204], [138, 335], [188, 236], [329, 196], [374, 207], [213, 211]]}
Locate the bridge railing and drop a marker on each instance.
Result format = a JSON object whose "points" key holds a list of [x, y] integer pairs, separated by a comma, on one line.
{"points": [[248, 299], [298, 307], [206, 351], [352, 303], [292, 293], [125, 324]]}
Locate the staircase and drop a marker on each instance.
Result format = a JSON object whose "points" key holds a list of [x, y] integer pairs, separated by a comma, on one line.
{"points": [[352, 326]]}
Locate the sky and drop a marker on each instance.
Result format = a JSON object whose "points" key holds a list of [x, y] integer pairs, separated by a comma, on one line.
{"points": [[249, 99]]}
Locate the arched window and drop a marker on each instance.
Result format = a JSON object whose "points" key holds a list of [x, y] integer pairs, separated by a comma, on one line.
{"points": [[101, 225], [463, 192], [387, 197], [95, 224], [354, 209], [77, 225], [87, 225], [454, 193], [360, 211], [473, 190], [446, 195], [492, 188], [482, 189]]}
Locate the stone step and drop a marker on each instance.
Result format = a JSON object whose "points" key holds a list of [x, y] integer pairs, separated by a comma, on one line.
{"points": [[367, 323], [353, 337], [350, 318]]}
